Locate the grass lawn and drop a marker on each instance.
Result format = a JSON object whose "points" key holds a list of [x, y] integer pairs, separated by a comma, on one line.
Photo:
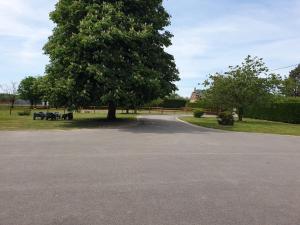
{"points": [[248, 125], [81, 121]]}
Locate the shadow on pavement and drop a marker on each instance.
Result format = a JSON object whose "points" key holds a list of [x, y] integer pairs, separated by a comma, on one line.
{"points": [[164, 126]]}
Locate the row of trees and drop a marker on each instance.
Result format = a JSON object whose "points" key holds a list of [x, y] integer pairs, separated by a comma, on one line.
{"points": [[249, 84]]}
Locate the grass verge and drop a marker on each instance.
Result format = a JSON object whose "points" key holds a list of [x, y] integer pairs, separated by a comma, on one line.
{"points": [[248, 125], [81, 121]]}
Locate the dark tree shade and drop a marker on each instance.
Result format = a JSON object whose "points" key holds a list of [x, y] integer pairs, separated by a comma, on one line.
{"points": [[112, 50], [295, 76], [295, 73]]}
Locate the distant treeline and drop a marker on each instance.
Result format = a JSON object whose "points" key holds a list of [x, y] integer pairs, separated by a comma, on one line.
{"points": [[4, 98]]}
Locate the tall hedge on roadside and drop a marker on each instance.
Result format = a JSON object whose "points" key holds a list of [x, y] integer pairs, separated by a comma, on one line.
{"points": [[288, 112], [174, 103], [168, 103], [204, 104]]}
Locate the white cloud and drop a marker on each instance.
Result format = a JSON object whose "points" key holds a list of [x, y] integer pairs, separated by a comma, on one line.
{"points": [[23, 21], [217, 42], [209, 35]]}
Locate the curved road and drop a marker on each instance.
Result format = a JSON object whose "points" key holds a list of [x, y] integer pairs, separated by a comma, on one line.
{"points": [[156, 172]]}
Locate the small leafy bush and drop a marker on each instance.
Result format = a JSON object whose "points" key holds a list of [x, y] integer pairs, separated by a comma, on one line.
{"points": [[198, 113], [226, 119], [25, 113]]}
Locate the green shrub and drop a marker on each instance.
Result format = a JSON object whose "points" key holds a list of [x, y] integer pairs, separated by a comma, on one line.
{"points": [[288, 112], [226, 119], [198, 113], [199, 104], [174, 103], [25, 113], [155, 103], [203, 104], [167, 103]]}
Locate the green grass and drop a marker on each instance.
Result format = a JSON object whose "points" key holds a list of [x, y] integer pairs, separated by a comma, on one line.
{"points": [[248, 125], [81, 120]]}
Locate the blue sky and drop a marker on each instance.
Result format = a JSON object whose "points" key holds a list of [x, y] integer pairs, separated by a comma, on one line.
{"points": [[209, 36]]}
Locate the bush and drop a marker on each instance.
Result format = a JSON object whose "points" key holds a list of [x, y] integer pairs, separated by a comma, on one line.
{"points": [[173, 103], [199, 104], [167, 103], [203, 104], [198, 113], [25, 113], [226, 119], [287, 112], [155, 103]]}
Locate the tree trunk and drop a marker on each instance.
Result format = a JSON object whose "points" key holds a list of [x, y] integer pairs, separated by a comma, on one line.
{"points": [[241, 114], [12, 105], [112, 110], [31, 104]]}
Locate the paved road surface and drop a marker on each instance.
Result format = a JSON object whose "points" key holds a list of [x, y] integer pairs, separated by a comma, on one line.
{"points": [[158, 172]]}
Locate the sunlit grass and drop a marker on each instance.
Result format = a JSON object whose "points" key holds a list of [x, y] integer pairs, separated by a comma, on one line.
{"points": [[248, 125]]}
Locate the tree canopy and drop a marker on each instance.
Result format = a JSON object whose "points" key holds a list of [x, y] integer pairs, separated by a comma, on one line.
{"points": [[242, 86], [29, 89], [113, 51], [291, 85]]}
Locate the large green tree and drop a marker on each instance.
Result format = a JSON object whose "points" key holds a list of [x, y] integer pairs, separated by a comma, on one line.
{"points": [[112, 50], [291, 85], [242, 86], [29, 90]]}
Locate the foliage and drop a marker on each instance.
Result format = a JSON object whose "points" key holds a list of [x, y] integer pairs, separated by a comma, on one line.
{"points": [[288, 112], [57, 91], [175, 96], [26, 112], [282, 99], [113, 51], [173, 103], [204, 103], [29, 89], [291, 84], [198, 113], [4, 98], [244, 85], [226, 118], [295, 73], [155, 103], [167, 103]]}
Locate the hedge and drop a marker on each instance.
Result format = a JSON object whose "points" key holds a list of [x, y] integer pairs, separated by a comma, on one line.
{"points": [[198, 113], [288, 112], [173, 103], [194, 105]]}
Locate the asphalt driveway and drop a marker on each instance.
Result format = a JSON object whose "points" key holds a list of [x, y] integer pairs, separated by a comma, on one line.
{"points": [[156, 172]]}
